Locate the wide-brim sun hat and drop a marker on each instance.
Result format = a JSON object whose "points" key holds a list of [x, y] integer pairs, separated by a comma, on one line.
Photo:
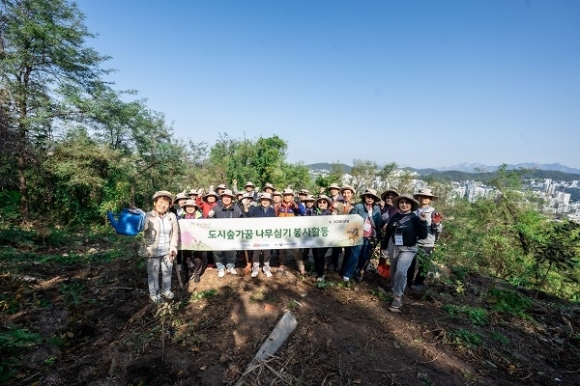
{"points": [[192, 192], [222, 186], [249, 183], [287, 192], [189, 203], [386, 193], [276, 193], [269, 185], [210, 193], [309, 198], [227, 192], [414, 203], [347, 187], [426, 193], [180, 196], [266, 196], [303, 192], [334, 186], [370, 192], [325, 198], [162, 193]]}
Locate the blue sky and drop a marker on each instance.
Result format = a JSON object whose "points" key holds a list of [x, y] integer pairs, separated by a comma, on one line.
{"points": [[419, 83]]}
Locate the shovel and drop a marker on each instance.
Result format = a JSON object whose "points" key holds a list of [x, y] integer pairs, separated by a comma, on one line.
{"points": [[248, 264]]}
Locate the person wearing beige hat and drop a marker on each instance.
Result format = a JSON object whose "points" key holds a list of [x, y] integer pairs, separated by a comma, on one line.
{"points": [[192, 260], [289, 208], [341, 207], [403, 231], [369, 210], [264, 209], [388, 210], [226, 209], [334, 193], [178, 201], [425, 197], [161, 238], [269, 188], [323, 208]]}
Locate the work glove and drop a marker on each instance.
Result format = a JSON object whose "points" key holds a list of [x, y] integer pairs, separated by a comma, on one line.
{"points": [[436, 218]]}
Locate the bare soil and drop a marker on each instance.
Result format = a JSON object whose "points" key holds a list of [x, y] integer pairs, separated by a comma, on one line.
{"points": [[98, 327]]}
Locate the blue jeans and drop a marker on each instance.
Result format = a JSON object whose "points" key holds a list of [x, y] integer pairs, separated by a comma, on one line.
{"points": [[360, 255], [230, 257]]}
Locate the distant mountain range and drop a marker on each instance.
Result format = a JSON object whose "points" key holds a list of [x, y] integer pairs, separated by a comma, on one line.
{"points": [[474, 168], [466, 168]]}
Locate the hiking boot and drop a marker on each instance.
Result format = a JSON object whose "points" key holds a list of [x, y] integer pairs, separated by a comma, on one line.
{"points": [[267, 271], [221, 272], [232, 271], [418, 287], [302, 271], [168, 295], [396, 305], [156, 298], [255, 272], [346, 279]]}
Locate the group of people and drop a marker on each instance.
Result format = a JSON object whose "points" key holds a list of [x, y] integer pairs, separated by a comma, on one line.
{"points": [[401, 223]]}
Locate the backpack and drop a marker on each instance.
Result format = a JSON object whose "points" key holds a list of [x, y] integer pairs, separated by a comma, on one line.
{"points": [[129, 222]]}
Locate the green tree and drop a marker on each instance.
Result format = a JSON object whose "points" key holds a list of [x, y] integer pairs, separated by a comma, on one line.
{"points": [[44, 62]]}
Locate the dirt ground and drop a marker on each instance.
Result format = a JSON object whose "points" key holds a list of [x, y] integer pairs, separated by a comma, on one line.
{"points": [[98, 327]]}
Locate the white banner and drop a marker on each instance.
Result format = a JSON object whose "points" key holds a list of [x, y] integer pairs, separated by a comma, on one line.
{"points": [[270, 233]]}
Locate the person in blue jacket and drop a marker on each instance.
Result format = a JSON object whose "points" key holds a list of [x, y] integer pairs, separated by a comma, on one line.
{"points": [[403, 231], [370, 211]]}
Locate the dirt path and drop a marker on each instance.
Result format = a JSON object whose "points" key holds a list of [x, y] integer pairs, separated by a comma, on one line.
{"points": [[97, 327]]}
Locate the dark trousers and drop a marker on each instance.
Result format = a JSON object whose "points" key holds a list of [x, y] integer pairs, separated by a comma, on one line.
{"points": [[192, 261], [319, 261]]}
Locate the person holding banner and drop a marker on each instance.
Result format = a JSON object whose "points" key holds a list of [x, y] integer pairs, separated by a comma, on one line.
{"points": [[226, 209], [192, 260], [161, 234], [309, 210], [369, 210], [290, 208], [265, 209], [344, 206], [323, 208]]}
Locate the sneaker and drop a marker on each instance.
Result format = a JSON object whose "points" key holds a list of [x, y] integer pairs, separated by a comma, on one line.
{"points": [[156, 298], [255, 272], [168, 295], [267, 272], [221, 272], [233, 271], [396, 305], [345, 279], [320, 278], [302, 271]]}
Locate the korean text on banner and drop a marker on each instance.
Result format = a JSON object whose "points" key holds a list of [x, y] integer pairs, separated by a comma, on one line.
{"points": [[270, 233]]}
